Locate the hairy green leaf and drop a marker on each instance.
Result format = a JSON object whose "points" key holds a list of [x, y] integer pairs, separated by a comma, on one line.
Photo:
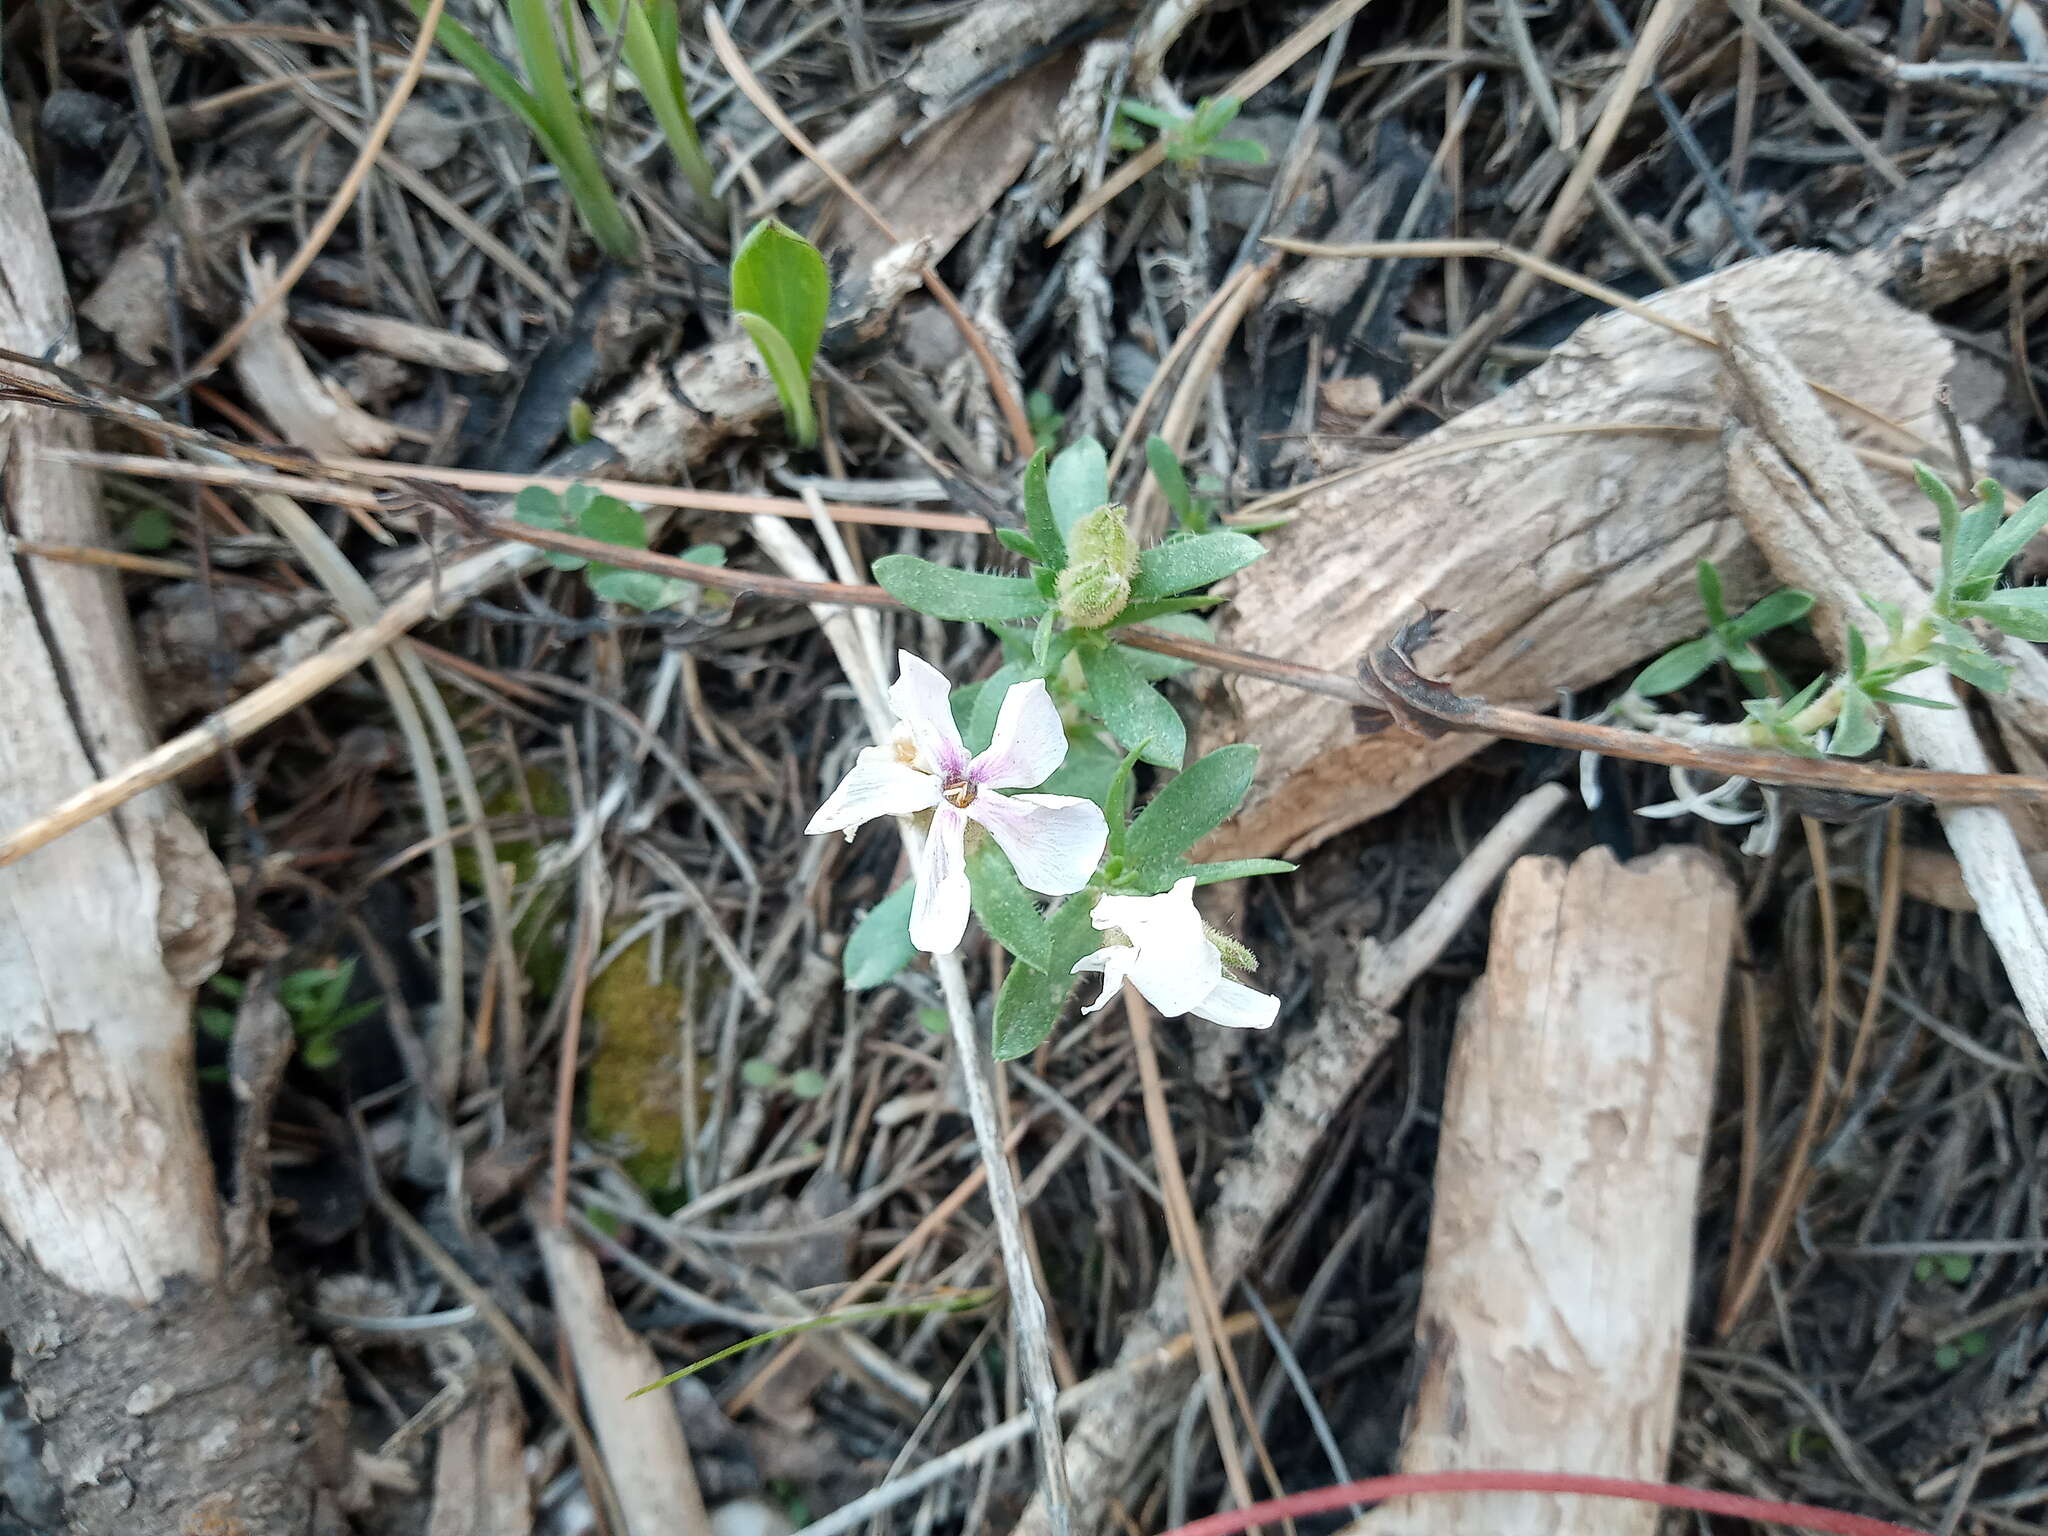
{"points": [[1133, 709], [1039, 518], [1180, 564], [1007, 911], [879, 945], [1193, 804], [946, 593], [1676, 667], [1077, 482]]}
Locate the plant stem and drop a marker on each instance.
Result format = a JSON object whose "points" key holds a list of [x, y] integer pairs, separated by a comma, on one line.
{"points": [[1826, 709], [565, 132]]}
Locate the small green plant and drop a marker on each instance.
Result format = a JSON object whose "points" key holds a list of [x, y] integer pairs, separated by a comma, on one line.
{"points": [[780, 295], [549, 102], [594, 515], [1046, 420], [1842, 714], [1188, 141], [1968, 1347], [1955, 1268], [316, 1001], [805, 1083]]}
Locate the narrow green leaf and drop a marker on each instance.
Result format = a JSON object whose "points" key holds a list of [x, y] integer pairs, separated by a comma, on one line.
{"points": [[1029, 1005], [1116, 802], [1895, 699], [1676, 667], [1148, 613], [1038, 515], [1133, 709], [1181, 564], [2021, 612], [1007, 911], [790, 378], [1237, 151], [1973, 667], [1193, 804], [1173, 483], [988, 704], [1785, 606], [779, 275], [2012, 536], [1709, 578], [1151, 116], [1858, 728], [1019, 544], [946, 593], [1891, 614], [1231, 869], [1976, 525], [1077, 482], [1859, 654], [879, 945], [1936, 490], [964, 1302]]}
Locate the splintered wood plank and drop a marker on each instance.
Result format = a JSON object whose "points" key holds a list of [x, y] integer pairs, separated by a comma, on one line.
{"points": [[1564, 558], [1553, 1305]]}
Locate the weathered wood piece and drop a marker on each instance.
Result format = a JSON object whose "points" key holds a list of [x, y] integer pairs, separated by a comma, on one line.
{"points": [[1559, 526], [1553, 1306]]}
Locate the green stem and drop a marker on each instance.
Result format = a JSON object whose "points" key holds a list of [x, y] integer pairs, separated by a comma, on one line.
{"points": [[1826, 709]]}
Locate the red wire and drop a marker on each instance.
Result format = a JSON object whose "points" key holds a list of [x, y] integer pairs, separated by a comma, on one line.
{"points": [[1371, 1490]]}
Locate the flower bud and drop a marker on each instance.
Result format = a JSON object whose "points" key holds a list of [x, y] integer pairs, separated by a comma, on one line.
{"points": [[1102, 557], [1091, 597], [1234, 954]]}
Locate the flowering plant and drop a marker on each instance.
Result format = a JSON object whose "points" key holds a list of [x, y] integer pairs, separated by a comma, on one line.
{"points": [[1072, 711]]}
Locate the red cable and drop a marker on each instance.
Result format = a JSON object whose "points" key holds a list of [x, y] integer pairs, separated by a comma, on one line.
{"points": [[1371, 1490]]}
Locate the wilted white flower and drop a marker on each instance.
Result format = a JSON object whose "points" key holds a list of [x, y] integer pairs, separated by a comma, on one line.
{"points": [[1172, 961], [1053, 841]]}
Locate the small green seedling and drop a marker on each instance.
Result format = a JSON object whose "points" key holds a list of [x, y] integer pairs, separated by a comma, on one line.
{"points": [[317, 1001], [1188, 141], [805, 1083], [590, 513], [780, 294], [1968, 1347], [1955, 1268]]}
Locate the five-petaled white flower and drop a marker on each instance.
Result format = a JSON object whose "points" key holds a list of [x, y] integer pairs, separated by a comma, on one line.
{"points": [[1053, 841], [1172, 961]]}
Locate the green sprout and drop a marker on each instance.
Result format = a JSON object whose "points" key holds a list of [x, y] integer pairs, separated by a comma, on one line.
{"points": [[780, 294], [1189, 140]]}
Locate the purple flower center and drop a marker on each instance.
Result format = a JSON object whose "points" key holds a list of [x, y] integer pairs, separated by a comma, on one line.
{"points": [[959, 792]]}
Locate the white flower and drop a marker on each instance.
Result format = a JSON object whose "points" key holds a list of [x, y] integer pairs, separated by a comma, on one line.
{"points": [[1172, 961], [1053, 841]]}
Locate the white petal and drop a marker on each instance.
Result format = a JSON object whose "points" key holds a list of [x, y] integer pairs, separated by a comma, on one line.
{"points": [[1110, 962], [1054, 842], [1133, 914], [1237, 1006], [1176, 970], [923, 700], [938, 913], [1029, 742], [879, 785]]}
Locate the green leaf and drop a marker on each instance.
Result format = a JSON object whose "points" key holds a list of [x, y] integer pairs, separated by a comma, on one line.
{"points": [[1231, 869], [1116, 802], [1146, 613], [1029, 1005], [1893, 616], [1151, 664], [636, 589], [2013, 535], [756, 1072], [150, 529], [1151, 116], [879, 945], [611, 520], [1709, 578], [1973, 667], [1044, 527], [1077, 483], [1237, 151], [790, 378], [1977, 525], [1785, 606], [1086, 773], [705, 554], [988, 704], [1173, 483], [1857, 728], [1676, 667], [1193, 804], [2021, 612], [1018, 544], [538, 507], [946, 593], [779, 275], [1180, 564], [1007, 911], [1133, 709], [217, 1023], [808, 1083], [1936, 490]]}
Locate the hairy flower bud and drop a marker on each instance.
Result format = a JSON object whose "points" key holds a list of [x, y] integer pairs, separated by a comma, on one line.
{"points": [[1102, 557], [1234, 954]]}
